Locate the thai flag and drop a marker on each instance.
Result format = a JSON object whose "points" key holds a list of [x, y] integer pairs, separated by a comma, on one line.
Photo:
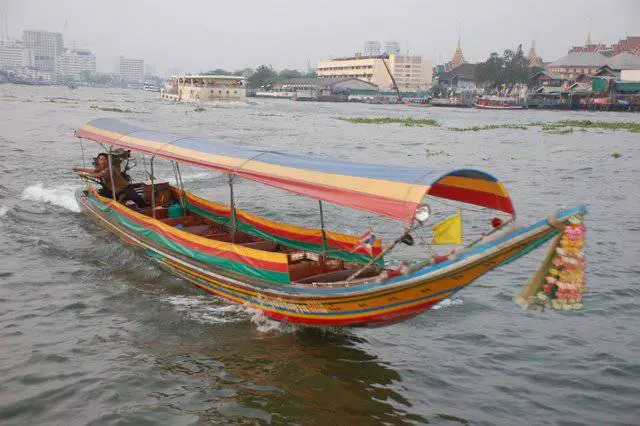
{"points": [[366, 241]]}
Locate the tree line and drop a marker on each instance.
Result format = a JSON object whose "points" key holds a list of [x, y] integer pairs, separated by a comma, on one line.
{"points": [[262, 76], [510, 68]]}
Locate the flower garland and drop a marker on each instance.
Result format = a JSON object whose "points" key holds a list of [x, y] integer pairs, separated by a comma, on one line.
{"points": [[564, 282]]}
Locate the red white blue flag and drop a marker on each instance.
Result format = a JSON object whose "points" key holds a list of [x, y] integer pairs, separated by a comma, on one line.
{"points": [[366, 241]]}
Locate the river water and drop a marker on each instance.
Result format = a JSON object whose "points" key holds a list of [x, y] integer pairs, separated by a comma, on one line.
{"points": [[92, 332]]}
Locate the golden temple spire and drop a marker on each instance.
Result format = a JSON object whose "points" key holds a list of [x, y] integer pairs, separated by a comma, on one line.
{"points": [[458, 57]]}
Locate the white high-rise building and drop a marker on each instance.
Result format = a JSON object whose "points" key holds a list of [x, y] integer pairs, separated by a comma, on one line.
{"points": [[371, 48], [392, 48], [131, 70], [45, 46], [15, 56], [73, 63]]}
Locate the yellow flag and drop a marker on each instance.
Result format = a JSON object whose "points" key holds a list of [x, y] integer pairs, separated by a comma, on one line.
{"points": [[449, 231]]}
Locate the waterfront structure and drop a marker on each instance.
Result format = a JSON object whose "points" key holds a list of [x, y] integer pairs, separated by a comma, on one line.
{"points": [[46, 46], [460, 79], [131, 70], [321, 89], [624, 61], [72, 64], [14, 56], [411, 72], [576, 63], [371, 48], [195, 88]]}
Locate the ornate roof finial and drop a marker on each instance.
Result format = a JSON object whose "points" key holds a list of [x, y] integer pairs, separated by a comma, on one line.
{"points": [[458, 57], [534, 59]]}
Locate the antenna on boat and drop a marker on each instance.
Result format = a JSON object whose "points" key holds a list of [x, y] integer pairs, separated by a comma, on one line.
{"points": [[233, 210], [153, 187]]}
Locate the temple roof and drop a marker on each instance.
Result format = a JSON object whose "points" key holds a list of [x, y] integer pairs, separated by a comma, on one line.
{"points": [[458, 57]]}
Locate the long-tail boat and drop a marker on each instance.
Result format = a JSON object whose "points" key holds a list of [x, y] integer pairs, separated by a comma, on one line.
{"points": [[297, 274]]}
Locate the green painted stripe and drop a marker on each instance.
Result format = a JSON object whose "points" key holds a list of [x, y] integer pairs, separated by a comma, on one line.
{"points": [[242, 268], [332, 252]]}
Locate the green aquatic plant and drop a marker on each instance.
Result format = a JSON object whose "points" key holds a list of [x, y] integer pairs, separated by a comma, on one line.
{"points": [[111, 109], [616, 155], [409, 122], [489, 127], [430, 153], [588, 124]]}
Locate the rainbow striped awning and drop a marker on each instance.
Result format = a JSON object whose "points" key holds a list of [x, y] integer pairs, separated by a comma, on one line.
{"points": [[393, 191]]}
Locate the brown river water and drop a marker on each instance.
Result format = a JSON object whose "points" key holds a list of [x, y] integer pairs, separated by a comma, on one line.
{"points": [[93, 332]]}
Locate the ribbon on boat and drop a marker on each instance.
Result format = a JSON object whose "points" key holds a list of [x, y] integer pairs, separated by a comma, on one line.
{"points": [[559, 283]]}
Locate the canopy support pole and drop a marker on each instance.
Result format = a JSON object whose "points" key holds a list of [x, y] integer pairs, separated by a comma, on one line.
{"points": [[233, 210], [181, 195], [113, 183], [153, 189], [324, 234]]}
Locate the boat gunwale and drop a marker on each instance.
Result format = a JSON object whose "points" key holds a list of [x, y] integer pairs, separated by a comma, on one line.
{"points": [[356, 287]]}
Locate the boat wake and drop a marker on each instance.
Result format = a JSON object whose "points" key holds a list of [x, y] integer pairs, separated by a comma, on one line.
{"points": [[61, 196], [449, 303], [208, 310]]}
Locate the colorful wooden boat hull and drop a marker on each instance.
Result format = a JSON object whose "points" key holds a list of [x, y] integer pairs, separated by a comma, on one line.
{"points": [[366, 302], [481, 106]]}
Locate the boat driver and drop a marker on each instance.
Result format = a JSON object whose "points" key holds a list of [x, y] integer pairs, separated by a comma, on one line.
{"points": [[124, 191]]}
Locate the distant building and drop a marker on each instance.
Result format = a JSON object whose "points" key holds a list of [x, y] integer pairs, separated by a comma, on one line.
{"points": [[411, 72], [572, 65], [71, 64], [630, 45], [371, 48], [131, 70], [392, 48], [45, 46], [460, 78], [14, 56]]}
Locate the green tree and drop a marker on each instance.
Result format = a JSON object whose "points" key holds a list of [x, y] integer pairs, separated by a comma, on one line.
{"points": [[264, 75], [217, 71], [286, 74]]}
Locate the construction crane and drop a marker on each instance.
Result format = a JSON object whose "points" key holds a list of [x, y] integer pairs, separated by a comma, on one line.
{"points": [[393, 80]]}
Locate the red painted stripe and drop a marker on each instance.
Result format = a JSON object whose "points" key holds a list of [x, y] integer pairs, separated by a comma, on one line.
{"points": [[230, 255], [364, 320], [208, 207], [471, 196], [283, 233]]}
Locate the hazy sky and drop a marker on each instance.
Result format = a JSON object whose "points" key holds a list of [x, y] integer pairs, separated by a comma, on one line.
{"points": [[195, 35]]}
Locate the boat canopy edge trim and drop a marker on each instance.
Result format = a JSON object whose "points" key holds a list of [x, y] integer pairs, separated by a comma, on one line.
{"points": [[393, 191]]}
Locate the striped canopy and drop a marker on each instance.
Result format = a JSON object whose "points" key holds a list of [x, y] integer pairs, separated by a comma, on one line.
{"points": [[393, 191]]}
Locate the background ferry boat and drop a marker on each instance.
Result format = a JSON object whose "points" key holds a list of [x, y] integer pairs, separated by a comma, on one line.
{"points": [[198, 88], [500, 102]]}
